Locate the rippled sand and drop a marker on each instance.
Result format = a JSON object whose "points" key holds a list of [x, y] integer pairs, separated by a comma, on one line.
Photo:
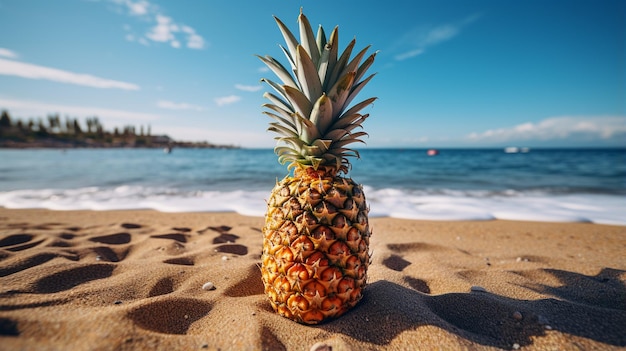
{"points": [[114, 280]]}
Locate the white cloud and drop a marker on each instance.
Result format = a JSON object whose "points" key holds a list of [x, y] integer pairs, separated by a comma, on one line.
{"points": [[194, 41], [178, 106], [409, 54], [250, 88], [558, 128], [227, 100], [25, 109], [8, 53], [31, 71], [166, 29], [419, 39], [136, 8], [264, 69]]}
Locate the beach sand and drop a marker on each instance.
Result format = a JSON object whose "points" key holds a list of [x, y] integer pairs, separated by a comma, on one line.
{"points": [[132, 280]]}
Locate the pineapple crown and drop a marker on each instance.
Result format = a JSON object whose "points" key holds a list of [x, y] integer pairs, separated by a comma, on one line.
{"points": [[310, 111]]}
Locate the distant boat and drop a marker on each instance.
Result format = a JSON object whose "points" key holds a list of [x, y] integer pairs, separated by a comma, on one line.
{"points": [[432, 152], [167, 150], [516, 150]]}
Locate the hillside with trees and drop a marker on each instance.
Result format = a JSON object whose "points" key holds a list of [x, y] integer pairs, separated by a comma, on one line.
{"points": [[55, 132]]}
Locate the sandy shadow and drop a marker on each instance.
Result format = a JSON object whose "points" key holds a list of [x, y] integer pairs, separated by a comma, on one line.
{"points": [[481, 317]]}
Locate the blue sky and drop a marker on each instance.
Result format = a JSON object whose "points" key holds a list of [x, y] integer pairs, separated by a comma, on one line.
{"points": [[450, 73]]}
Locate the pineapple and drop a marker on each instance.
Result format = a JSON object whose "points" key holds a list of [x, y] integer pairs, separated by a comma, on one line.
{"points": [[316, 233]]}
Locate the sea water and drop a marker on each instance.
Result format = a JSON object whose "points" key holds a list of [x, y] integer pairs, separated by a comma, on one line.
{"points": [[560, 185]]}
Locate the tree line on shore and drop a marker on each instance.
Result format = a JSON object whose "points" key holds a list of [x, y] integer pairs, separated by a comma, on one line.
{"points": [[54, 132]]}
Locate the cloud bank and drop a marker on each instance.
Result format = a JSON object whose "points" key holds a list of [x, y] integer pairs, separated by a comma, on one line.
{"points": [[31, 71], [571, 128]]}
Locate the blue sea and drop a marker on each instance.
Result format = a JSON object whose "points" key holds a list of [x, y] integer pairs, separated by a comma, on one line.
{"points": [[558, 185]]}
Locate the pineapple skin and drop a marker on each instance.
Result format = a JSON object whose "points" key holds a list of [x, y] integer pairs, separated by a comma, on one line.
{"points": [[315, 245]]}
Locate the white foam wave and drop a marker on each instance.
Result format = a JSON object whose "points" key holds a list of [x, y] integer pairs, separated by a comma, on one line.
{"points": [[422, 205]]}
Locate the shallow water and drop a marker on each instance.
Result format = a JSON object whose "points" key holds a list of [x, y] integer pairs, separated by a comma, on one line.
{"points": [[562, 185]]}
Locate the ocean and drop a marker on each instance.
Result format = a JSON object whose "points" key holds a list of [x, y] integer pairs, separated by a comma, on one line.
{"points": [[557, 185]]}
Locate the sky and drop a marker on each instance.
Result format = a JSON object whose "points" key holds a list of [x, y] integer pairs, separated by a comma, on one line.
{"points": [[482, 73]]}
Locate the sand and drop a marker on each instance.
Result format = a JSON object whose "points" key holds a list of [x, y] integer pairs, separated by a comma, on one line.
{"points": [[132, 280]]}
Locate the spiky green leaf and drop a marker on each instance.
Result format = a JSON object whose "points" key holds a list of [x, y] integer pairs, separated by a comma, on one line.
{"points": [[282, 130], [290, 39], [348, 120], [353, 65], [340, 92], [308, 131], [277, 87], [365, 66], [357, 88], [290, 58], [341, 62], [323, 144], [333, 47], [278, 102], [322, 113], [307, 75], [279, 70], [320, 39], [358, 107], [282, 120], [307, 38], [299, 101]]}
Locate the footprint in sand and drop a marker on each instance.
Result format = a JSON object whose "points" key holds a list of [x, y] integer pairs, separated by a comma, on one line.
{"points": [[16, 239], [225, 238], [26, 263], [270, 341], [162, 287], [181, 238], [111, 254], [183, 261], [8, 327], [229, 239], [67, 236], [234, 249], [63, 239], [113, 239], [131, 226], [70, 278], [221, 229], [252, 284], [396, 263], [499, 319], [414, 247], [19, 242], [170, 316], [418, 284]]}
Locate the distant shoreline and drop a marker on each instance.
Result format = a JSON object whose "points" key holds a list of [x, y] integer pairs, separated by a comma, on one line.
{"points": [[55, 133], [95, 144]]}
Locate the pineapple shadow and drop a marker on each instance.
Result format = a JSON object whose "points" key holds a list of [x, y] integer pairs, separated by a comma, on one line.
{"points": [[389, 309]]}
